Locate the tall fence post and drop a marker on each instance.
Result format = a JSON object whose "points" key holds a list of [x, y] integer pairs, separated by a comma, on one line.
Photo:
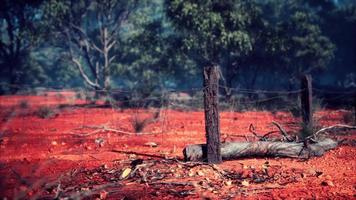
{"points": [[306, 103], [212, 124], [354, 108]]}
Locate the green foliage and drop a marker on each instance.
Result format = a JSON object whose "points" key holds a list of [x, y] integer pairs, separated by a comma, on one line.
{"points": [[165, 43], [307, 47], [208, 27], [21, 31]]}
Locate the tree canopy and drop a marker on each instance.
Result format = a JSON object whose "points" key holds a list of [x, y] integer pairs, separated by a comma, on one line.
{"points": [[158, 43]]}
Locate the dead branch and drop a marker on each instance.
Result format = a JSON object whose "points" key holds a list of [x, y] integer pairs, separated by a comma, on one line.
{"points": [[261, 138], [283, 132], [104, 128], [172, 183], [235, 150], [337, 126], [251, 128]]}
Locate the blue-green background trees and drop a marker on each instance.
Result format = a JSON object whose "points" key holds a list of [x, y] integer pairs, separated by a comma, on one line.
{"points": [[164, 44]]}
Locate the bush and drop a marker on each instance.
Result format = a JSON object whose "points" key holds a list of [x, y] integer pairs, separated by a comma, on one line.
{"points": [[45, 112], [80, 94], [139, 123], [24, 104], [110, 102]]}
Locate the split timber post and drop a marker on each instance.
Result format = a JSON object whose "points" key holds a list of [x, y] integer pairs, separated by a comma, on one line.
{"points": [[212, 124], [306, 103], [354, 108]]}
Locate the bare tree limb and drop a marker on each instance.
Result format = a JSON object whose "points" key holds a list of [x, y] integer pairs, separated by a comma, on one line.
{"points": [[283, 132], [261, 138], [82, 73], [334, 127], [111, 45]]}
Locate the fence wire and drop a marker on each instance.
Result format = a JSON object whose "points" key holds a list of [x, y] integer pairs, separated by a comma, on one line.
{"points": [[161, 105]]}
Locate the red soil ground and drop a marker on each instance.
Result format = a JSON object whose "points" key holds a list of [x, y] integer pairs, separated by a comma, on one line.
{"points": [[73, 153]]}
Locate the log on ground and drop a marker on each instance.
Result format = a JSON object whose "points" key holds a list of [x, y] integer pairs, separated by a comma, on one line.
{"points": [[235, 150]]}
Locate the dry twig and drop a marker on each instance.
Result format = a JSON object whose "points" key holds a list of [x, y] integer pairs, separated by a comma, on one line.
{"points": [[283, 132]]}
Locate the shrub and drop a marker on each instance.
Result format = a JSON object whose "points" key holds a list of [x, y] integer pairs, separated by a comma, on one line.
{"points": [[24, 104], [80, 94], [45, 112], [318, 104], [139, 123]]}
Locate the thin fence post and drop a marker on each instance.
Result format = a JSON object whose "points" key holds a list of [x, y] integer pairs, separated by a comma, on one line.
{"points": [[306, 103], [354, 96], [212, 124]]}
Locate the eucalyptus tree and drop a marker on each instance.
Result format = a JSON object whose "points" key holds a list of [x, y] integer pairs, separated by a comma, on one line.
{"points": [[20, 32], [209, 27], [299, 44], [91, 32]]}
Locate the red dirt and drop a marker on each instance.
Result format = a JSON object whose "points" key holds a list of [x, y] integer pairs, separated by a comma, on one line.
{"points": [[37, 154]]}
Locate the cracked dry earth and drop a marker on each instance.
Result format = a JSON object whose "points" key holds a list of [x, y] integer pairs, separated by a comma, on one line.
{"points": [[92, 152]]}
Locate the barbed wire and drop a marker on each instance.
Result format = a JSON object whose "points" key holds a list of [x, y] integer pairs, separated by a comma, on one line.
{"points": [[250, 91], [194, 89], [333, 92]]}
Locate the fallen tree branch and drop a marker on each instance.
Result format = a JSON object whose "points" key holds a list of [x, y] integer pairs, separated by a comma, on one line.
{"points": [[283, 132], [172, 183], [105, 128], [334, 127], [264, 137], [234, 150]]}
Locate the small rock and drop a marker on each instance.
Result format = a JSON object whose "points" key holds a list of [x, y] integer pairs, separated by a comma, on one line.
{"points": [[228, 183], [84, 189], [125, 173], [327, 183], [103, 194], [327, 177], [150, 144], [245, 183], [200, 173], [191, 173]]}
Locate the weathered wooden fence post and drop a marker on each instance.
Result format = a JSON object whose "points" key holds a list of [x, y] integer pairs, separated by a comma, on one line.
{"points": [[212, 124], [354, 108], [306, 103]]}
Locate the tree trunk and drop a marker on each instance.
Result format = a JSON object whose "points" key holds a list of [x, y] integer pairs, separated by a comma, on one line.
{"points": [[106, 49], [212, 124], [235, 150]]}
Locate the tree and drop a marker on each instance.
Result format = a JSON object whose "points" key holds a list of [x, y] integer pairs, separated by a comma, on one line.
{"points": [[91, 32], [300, 45], [286, 38], [20, 33], [207, 28], [339, 24]]}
